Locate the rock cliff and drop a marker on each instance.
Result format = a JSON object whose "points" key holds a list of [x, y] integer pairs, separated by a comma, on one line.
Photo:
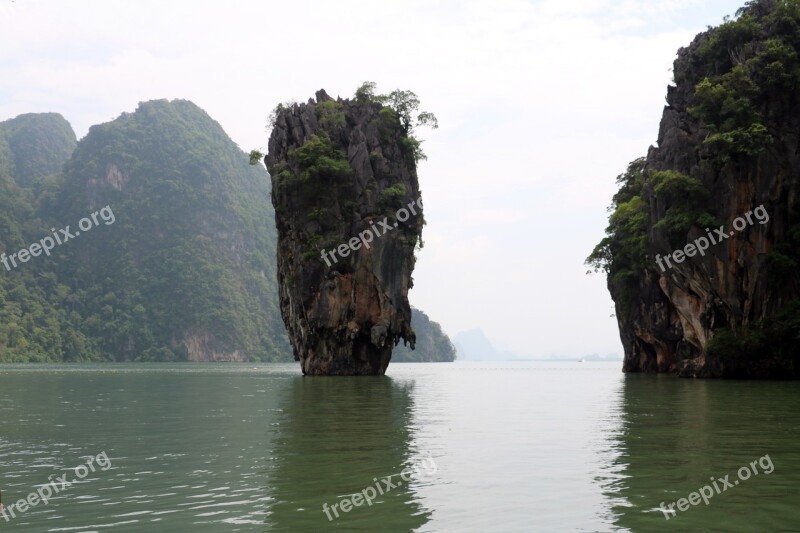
{"points": [[349, 215], [721, 187]]}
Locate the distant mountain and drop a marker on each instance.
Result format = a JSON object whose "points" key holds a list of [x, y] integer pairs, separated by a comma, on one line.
{"points": [[36, 145], [187, 268], [433, 345], [474, 345]]}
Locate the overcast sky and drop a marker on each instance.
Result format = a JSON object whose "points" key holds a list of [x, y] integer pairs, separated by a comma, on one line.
{"points": [[541, 105]]}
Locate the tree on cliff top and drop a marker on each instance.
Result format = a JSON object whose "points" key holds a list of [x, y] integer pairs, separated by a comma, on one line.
{"points": [[404, 103]]}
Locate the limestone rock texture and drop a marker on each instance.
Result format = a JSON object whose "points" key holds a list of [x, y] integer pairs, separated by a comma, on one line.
{"points": [[667, 322], [341, 169]]}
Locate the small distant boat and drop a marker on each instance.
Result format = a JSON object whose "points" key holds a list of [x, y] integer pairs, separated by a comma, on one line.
{"points": [[581, 360]]}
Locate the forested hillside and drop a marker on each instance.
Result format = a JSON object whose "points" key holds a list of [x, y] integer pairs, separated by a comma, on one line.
{"points": [[186, 272], [433, 344], [36, 318]]}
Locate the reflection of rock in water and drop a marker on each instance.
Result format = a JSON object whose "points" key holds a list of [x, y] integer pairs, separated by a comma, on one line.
{"points": [[678, 434], [334, 436], [664, 449]]}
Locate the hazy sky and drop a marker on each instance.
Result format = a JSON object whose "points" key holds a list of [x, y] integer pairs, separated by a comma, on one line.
{"points": [[541, 105]]}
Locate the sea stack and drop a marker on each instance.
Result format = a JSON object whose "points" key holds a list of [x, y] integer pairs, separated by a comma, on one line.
{"points": [[349, 216]]}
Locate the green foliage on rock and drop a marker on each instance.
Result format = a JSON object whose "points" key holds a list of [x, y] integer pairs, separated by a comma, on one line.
{"points": [[392, 197], [331, 114], [400, 107], [622, 253], [686, 199], [406, 105], [756, 77], [320, 159], [366, 93], [255, 157]]}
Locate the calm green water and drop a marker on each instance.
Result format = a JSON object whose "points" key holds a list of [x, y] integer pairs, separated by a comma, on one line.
{"points": [[498, 447]]}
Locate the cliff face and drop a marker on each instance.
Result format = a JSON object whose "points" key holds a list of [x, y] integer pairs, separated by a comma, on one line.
{"points": [[725, 174], [349, 214]]}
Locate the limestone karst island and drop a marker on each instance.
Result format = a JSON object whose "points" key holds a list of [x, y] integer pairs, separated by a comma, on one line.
{"points": [[703, 247], [349, 216]]}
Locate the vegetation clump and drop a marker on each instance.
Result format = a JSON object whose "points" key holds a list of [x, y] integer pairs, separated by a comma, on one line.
{"points": [[623, 253], [746, 74], [318, 158], [400, 106]]}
